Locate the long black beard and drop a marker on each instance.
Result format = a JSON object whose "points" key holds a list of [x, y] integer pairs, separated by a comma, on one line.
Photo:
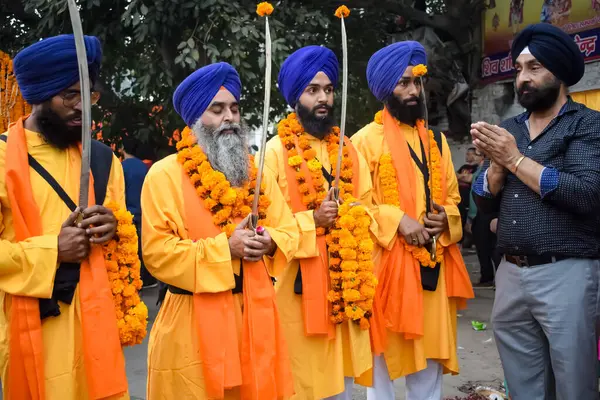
{"points": [[227, 153], [55, 130], [539, 99], [407, 114], [319, 127]]}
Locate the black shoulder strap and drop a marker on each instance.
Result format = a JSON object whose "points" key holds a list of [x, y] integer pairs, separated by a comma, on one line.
{"points": [[37, 167], [100, 164]]}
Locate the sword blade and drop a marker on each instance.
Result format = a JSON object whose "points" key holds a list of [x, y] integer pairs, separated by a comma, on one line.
{"points": [[86, 120], [265, 123], [338, 167]]}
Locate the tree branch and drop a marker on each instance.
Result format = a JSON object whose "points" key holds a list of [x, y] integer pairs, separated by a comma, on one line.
{"points": [[17, 9]]}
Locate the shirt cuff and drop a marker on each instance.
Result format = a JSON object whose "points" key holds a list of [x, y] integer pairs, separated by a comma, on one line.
{"points": [[548, 181], [481, 186]]}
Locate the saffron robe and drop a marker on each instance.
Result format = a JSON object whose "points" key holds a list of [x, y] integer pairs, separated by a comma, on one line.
{"points": [[27, 268], [175, 366], [319, 364], [438, 342]]}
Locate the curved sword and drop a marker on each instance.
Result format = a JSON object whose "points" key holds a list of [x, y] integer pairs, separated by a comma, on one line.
{"points": [[338, 168], [265, 123], [86, 106]]}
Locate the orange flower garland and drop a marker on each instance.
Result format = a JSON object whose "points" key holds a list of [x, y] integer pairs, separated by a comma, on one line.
{"points": [[296, 142], [349, 242], [123, 267], [224, 202], [389, 186], [12, 105], [351, 267]]}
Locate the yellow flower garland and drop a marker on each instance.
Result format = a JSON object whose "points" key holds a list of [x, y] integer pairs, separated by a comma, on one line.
{"points": [[350, 266], [349, 242], [389, 187], [123, 268], [296, 142], [223, 201], [12, 104]]}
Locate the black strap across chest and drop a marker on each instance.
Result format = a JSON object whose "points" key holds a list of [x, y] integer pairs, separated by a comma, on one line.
{"points": [[423, 167], [67, 275], [100, 164]]}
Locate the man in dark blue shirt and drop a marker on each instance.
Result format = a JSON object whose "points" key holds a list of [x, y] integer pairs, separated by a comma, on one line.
{"points": [[135, 172], [544, 178]]}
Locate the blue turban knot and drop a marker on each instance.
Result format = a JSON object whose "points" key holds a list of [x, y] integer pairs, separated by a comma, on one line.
{"points": [[48, 67], [193, 96], [300, 68], [554, 49], [386, 66]]}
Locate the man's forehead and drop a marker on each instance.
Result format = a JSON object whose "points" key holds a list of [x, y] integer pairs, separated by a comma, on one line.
{"points": [[408, 72], [321, 79], [224, 96]]}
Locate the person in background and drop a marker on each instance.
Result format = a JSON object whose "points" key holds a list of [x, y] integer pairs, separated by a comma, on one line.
{"points": [[479, 224], [465, 178], [135, 171]]}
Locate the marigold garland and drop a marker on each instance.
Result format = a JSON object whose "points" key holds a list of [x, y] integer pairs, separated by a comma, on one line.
{"points": [[264, 8], [419, 70], [12, 104], [389, 187], [350, 266], [349, 243], [224, 202], [299, 151], [123, 268]]}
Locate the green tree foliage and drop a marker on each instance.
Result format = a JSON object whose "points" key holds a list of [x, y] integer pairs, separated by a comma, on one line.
{"points": [[150, 46]]}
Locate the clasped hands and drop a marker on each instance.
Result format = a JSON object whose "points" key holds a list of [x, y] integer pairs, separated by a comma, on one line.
{"points": [[418, 234], [250, 245], [497, 144], [98, 226]]}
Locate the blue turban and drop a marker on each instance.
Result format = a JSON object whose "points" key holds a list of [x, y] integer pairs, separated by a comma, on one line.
{"points": [[193, 96], [554, 49], [48, 67], [386, 66], [300, 68]]}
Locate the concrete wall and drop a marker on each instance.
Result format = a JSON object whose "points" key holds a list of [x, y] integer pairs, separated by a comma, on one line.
{"points": [[496, 102]]}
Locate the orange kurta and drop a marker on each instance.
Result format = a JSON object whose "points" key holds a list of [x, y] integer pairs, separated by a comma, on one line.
{"points": [[319, 364], [175, 365], [27, 268], [438, 342]]}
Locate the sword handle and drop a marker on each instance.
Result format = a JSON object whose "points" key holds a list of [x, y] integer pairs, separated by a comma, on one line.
{"points": [[433, 248]]}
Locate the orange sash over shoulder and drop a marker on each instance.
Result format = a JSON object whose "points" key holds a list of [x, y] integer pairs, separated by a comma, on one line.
{"points": [[103, 356], [315, 270], [398, 305], [262, 368]]}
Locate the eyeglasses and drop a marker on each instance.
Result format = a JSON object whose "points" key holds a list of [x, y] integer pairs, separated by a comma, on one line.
{"points": [[72, 98]]}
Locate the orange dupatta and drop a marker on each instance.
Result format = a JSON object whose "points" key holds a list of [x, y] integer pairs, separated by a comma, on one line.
{"points": [[103, 357], [398, 305], [262, 369], [315, 270]]}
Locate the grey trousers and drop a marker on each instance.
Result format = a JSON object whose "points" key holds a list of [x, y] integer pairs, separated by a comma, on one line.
{"points": [[544, 321]]}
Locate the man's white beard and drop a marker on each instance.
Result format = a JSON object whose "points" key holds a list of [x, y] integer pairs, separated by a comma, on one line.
{"points": [[227, 153]]}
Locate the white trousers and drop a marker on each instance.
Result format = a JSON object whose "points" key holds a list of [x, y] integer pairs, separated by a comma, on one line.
{"points": [[347, 393], [422, 385]]}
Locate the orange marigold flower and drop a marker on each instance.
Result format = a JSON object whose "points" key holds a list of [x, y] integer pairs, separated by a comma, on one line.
{"points": [[419, 70], [342, 12], [264, 9], [351, 295], [295, 161]]}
